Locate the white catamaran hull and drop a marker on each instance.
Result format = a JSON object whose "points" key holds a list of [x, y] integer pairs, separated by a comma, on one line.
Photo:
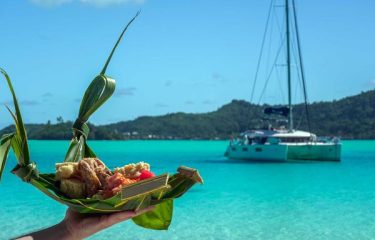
{"points": [[315, 151], [285, 152], [258, 152]]}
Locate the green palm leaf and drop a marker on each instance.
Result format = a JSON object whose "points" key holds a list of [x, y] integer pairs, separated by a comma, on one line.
{"points": [[159, 218], [98, 92], [17, 140], [4, 150]]}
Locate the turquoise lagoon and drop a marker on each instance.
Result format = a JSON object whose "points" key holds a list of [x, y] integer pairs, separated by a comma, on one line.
{"points": [[239, 200]]}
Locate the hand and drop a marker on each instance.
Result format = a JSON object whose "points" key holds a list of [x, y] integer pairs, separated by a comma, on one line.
{"points": [[78, 226], [81, 226]]}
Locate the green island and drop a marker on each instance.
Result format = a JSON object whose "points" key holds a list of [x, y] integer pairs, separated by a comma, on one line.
{"points": [[350, 118]]}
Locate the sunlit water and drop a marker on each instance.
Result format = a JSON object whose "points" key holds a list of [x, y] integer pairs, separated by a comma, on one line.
{"points": [[239, 200]]}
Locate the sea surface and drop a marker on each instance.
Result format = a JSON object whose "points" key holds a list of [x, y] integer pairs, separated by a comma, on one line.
{"points": [[239, 200]]}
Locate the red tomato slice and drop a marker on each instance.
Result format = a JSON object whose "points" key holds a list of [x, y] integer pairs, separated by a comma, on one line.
{"points": [[146, 174]]}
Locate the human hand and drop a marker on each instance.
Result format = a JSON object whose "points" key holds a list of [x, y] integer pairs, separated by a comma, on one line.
{"points": [[79, 226]]}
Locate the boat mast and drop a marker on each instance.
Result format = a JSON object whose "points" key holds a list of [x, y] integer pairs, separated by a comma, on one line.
{"points": [[301, 66], [290, 120]]}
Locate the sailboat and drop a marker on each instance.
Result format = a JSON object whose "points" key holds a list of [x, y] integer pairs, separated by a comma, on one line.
{"points": [[285, 143]]}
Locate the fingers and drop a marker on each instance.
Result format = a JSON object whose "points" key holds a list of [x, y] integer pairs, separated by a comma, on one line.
{"points": [[97, 223], [122, 216], [71, 214], [140, 212]]}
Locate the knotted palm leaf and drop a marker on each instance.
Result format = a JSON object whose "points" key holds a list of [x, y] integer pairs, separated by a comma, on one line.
{"points": [[159, 191]]}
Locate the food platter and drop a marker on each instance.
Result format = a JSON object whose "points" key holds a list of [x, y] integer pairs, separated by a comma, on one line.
{"points": [[132, 197]]}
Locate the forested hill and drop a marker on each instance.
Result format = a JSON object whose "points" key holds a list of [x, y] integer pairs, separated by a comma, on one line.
{"points": [[351, 117]]}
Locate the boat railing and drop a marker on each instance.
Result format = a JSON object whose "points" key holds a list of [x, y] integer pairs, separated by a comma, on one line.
{"points": [[335, 140]]}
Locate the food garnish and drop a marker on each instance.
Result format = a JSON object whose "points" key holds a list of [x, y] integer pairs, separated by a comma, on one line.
{"points": [[90, 177]]}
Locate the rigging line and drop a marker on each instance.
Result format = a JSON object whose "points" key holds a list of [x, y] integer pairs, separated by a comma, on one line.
{"points": [[273, 66], [299, 122], [299, 82], [278, 22], [297, 66], [261, 51], [268, 57], [301, 64], [279, 28], [280, 85]]}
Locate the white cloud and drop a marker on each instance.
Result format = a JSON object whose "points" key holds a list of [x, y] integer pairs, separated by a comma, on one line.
{"points": [[96, 3], [369, 84], [208, 102], [161, 105], [22, 102], [125, 91], [104, 3], [47, 95], [218, 77], [50, 3]]}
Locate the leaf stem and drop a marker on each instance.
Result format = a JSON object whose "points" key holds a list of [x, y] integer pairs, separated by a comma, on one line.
{"points": [[118, 41]]}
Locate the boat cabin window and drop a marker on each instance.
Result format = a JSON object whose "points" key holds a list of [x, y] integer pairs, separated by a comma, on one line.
{"points": [[294, 139], [257, 140]]}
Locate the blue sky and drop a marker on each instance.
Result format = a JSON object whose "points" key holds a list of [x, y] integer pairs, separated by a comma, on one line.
{"points": [[186, 55]]}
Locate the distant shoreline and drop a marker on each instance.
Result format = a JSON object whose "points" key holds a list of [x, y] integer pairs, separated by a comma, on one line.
{"points": [[349, 118], [171, 140]]}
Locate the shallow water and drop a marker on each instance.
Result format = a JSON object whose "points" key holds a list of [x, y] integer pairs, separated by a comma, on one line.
{"points": [[239, 200]]}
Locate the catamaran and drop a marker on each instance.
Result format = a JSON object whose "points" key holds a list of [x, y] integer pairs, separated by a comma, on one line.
{"points": [[283, 142]]}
